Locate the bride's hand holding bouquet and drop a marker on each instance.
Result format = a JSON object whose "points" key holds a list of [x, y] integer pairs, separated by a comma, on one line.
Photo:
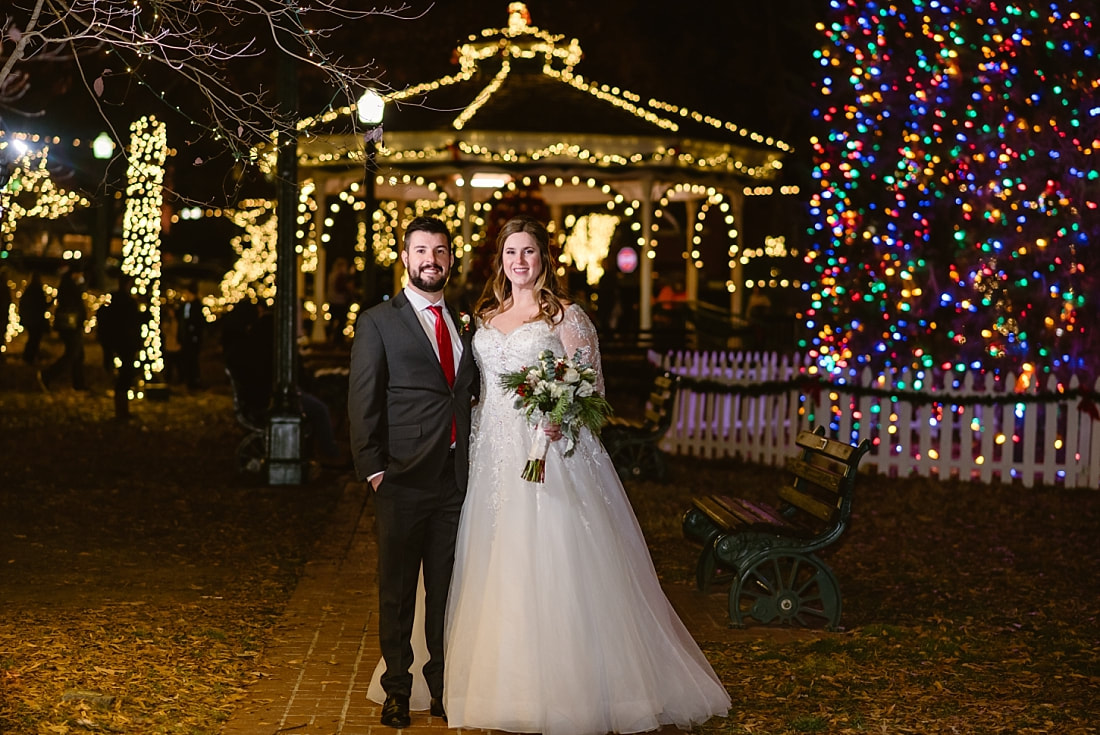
{"points": [[556, 391]]}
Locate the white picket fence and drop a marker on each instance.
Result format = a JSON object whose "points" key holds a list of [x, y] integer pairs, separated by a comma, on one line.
{"points": [[1052, 442]]}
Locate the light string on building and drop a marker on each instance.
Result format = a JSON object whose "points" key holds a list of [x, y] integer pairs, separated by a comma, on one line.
{"points": [[588, 243], [521, 40]]}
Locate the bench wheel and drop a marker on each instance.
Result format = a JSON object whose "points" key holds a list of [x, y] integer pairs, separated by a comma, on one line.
{"points": [[638, 461], [789, 588], [251, 453]]}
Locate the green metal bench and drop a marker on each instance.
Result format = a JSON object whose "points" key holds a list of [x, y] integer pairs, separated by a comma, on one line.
{"points": [[633, 445], [768, 551]]}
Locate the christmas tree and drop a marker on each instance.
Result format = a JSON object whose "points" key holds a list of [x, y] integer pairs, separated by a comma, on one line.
{"points": [[956, 223]]}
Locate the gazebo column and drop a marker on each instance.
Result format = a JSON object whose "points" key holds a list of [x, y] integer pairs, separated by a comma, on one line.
{"points": [[691, 272], [322, 261], [398, 237], [737, 272], [645, 266], [556, 218], [467, 226]]}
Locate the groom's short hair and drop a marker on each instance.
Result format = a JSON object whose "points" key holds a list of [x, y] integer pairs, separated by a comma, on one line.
{"points": [[434, 225]]}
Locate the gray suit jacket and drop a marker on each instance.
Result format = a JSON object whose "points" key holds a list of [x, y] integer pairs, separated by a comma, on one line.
{"points": [[399, 403]]}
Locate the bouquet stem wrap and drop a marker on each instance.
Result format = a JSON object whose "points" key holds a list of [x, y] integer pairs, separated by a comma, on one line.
{"points": [[535, 469], [556, 391]]}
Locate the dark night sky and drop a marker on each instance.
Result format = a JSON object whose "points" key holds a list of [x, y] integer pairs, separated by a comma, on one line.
{"points": [[745, 62], [748, 63]]}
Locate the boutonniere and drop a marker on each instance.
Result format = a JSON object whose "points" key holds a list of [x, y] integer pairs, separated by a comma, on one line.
{"points": [[463, 323]]}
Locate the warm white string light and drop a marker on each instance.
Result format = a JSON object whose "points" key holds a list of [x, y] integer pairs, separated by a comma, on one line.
{"points": [[141, 228]]}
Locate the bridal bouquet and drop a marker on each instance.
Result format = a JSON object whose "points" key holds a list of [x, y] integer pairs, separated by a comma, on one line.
{"points": [[556, 390]]}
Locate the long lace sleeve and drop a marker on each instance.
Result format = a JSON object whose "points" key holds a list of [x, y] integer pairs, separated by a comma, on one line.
{"points": [[578, 334]]}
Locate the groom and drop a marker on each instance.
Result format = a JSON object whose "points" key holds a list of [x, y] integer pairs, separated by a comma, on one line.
{"points": [[410, 389]]}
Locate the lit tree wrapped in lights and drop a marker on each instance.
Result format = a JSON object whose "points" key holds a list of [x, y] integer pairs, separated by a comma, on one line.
{"points": [[956, 221], [141, 231]]}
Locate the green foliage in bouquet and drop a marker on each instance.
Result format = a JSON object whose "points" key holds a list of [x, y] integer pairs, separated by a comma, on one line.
{"points": [[557, 390]]}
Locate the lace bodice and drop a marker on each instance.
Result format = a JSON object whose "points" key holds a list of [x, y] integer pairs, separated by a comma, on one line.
{"points": [[498, 353]]}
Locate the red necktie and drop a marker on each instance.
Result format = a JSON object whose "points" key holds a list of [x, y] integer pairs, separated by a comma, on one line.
{"points": [[446, 353]]}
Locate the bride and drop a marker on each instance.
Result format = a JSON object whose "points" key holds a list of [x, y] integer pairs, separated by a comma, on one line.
{"points": [[556, 622]]}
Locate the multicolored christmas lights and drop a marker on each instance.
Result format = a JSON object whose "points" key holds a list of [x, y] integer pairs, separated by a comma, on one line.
{"points": [[956, 219]]}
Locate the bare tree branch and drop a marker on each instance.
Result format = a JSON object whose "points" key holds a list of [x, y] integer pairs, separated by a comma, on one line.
{"points": [[207, 52]]}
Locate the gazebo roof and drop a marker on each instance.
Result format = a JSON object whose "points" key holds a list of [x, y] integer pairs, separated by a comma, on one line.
{"points": [[516, 103]]}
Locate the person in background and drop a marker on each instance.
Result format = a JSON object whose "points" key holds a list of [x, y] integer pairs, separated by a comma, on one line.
{"points": [[192, 323], [69, 318], [119, 331], [170, 334], [341, 294], [33, 315]]}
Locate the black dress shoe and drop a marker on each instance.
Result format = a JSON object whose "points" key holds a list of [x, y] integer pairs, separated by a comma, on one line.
{"points": [[436, 708], [395, 712]]}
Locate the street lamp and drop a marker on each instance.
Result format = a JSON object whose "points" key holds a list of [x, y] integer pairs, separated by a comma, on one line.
{"points": [[370, 109], [103, 149]]}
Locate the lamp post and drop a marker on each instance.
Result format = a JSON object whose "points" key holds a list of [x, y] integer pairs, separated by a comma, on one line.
{"points": [[285, 465], [103, 148], [370, 109]]}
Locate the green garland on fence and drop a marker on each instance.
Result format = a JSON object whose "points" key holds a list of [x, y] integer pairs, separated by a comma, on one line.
{"points": [[809, 384]]}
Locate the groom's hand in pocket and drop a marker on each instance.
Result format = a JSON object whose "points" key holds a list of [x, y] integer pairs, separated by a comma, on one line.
{"points": [[375, 481]]}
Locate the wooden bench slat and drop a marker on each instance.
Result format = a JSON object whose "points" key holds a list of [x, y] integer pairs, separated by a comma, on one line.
{"points": [[716, 512], [762, 513], [746, 512], [830, 447], [808, 503], [814, 474]]}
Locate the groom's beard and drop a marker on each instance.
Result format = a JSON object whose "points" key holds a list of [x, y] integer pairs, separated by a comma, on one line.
{"points": [[431, 282]]}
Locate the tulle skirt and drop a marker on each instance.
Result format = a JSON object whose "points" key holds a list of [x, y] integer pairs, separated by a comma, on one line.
{"points": [[556, 621]]}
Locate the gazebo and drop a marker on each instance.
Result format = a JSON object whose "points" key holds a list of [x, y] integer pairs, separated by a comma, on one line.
{"points": [[517, 116]]}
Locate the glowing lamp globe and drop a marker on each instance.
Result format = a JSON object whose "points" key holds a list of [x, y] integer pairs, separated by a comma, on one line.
{"points": [[103, 147], [370, 107]]}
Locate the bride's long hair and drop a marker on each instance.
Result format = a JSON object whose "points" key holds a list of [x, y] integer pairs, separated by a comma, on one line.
{"points": [[497, 295]]}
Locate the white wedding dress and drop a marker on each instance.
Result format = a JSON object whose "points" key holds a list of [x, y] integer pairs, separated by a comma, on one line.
{"points": [[556, 622]]}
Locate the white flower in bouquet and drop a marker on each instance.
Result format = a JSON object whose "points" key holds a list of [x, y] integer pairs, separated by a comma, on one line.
{"points": [[556, 390]]}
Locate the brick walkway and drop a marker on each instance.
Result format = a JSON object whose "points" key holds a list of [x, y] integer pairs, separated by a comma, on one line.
{"points": [[320, 656]]}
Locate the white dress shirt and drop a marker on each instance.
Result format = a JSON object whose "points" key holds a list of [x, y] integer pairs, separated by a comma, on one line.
{"points": [[427, 321]]}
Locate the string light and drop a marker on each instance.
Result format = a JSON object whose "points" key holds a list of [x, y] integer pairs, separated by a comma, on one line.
{"points": [[955, 217], [30, 192], [141, 227], [588, 243], [253, 274], [520, 40]]}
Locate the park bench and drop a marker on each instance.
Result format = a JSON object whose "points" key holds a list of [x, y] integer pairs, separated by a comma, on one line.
{"points": [[252, 449], [768, 550], [633, 445]]}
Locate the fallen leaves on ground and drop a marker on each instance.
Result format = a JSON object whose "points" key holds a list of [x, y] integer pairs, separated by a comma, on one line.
{"points": [[143, 577], [967, 608]]}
